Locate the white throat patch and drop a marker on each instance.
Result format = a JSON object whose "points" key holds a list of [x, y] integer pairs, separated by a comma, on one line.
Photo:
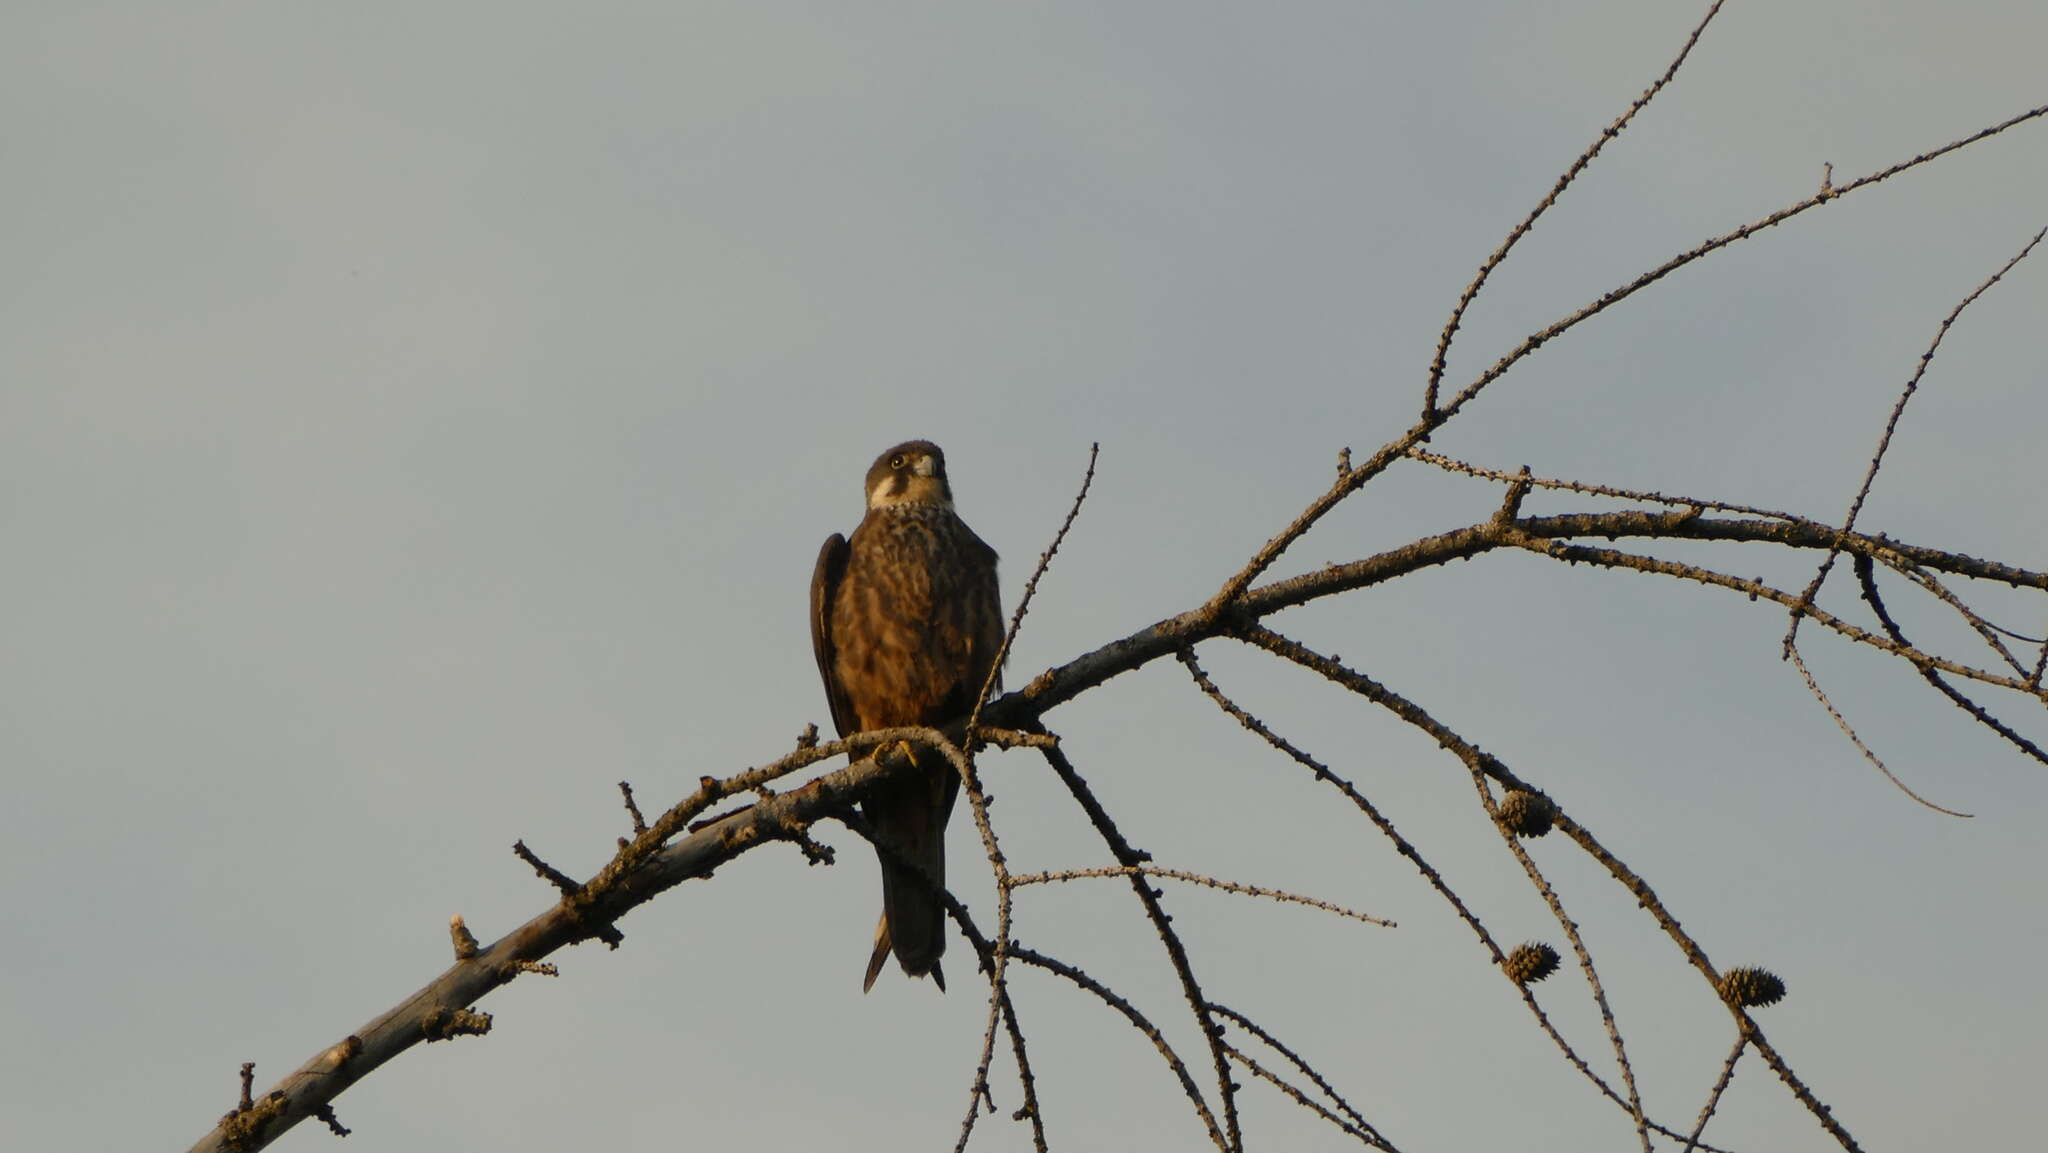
{"points": [[920, 491]]}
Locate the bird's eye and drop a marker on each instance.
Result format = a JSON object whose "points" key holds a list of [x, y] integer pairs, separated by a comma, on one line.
{"points": [[896, 462]]}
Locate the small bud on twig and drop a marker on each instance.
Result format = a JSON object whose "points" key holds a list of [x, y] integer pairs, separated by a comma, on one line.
{"points": [[465, 942]]}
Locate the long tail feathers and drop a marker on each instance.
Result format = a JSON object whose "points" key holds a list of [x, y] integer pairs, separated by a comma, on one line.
{"points": [[880, 957], [912, 817]]}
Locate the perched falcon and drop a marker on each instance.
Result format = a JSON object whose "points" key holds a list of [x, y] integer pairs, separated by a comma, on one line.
{"points": [[906, 620]]}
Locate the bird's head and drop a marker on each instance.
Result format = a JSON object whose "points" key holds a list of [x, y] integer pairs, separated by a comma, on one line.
{"points": [[913, 472]]}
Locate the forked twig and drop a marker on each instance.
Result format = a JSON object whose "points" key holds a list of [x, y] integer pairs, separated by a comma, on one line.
{"points": [[1138, 1021], [1515, 234], [1300, 1098], [1615, 296], [1306, 1070]]}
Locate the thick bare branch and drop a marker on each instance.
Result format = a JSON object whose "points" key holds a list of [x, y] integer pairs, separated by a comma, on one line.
{"points": [[317, 1082]]}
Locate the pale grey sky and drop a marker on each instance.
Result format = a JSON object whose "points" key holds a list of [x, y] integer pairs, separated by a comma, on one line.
{"points": [[414, 419]]}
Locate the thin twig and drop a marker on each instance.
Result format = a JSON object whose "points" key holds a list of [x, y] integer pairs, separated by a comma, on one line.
{"points": [[998, 963], [632, 809], [995, 671], [1646, 897], [1364, 804], [1580, 949], [1615, 296], [1842, 723], [1027, 1083], [1138, 1021], [1300, 1098], [563, 882], [1692, 1140], [898, 853], [1306, 1069], [1483, 766], [1884, 440], [1480, 762], [1202, 879], [1651, 903], [1993, 634], [1452, 464], [1176, 952]]}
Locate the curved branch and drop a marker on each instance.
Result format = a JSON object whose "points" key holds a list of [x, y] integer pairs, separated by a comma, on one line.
{"points": [[1056, 686], [1849, 731]]}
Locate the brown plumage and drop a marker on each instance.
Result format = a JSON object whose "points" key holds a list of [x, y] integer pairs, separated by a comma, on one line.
{"points": [[906, 619]]}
